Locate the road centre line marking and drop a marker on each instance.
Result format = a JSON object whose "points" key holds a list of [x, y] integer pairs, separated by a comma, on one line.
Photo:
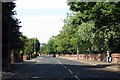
{"points": [[68, 69], [65, 67], [59, 61], [77, 77]]}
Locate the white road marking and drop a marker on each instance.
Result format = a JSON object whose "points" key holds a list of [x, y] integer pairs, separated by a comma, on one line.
{"points": [[68, 69], [65, 67], [77, 77], [59, 62]]}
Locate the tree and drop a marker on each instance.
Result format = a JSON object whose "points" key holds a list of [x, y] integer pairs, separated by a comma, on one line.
{"points": [[50, 45], [21, 46], [11, 24], [43, 49], [37, 45], [22, 43], [32, 46], [29, 48], [93, 26], [58, 44], [106, 16], [10, 32], [86, 36]]}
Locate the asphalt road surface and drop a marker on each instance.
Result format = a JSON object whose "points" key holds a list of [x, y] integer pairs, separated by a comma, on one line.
{"points": [[51, 68]]}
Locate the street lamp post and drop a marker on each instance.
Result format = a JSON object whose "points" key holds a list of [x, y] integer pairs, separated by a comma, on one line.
{"points": [[40, 48], [34, 46], [77, 52]]}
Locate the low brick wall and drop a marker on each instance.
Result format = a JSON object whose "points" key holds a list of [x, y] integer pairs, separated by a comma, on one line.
{"points": [[96, 57], [116, 57]]}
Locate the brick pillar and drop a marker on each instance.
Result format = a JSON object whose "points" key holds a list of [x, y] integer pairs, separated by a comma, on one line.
{"points": [[12, 56], [115, 57], [24, 57]]}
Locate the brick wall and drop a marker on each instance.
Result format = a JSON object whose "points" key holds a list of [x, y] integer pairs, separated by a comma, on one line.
{"points": [[116, 57], [97, 57]]}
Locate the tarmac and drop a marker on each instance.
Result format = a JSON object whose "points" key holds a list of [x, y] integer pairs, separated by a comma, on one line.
{"points": [[113, 66], [16, 67]]}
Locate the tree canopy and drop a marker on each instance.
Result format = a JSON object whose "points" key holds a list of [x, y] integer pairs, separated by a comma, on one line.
{"points": [[93, 26], [12, 38]]}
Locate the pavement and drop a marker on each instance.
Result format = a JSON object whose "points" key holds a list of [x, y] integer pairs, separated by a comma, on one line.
{"points": [[16, 68], [112, 66]]}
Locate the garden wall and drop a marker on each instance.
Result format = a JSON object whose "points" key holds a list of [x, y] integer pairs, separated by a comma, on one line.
{"points": [[96, 57]]}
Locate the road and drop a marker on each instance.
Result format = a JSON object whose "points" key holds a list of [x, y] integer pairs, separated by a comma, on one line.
{"points": [[51, 68]]}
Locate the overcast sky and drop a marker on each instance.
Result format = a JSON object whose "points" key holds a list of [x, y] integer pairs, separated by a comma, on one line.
{"points": [[41, 18]]}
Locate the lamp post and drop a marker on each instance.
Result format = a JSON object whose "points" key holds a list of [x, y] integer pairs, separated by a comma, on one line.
{"points": [[34, 46], [34, 52], [40, 48], [77, 52]]}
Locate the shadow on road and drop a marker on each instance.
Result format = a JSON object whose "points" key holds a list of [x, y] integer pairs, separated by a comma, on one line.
{"points": [[34, 71], [106, 65]]}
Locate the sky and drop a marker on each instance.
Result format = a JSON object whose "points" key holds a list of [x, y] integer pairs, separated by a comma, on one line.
{"points": [[41, 19]]}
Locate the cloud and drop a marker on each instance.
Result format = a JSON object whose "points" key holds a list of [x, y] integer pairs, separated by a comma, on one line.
{"points": [[41, 18], [41, 4], [42, 27]]}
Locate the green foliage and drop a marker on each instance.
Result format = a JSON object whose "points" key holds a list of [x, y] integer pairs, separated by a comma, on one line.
{"points": [[23, 41], [58, 43], [43, 49], [31, 46], [37, 45], [93, 26], [10, 25], [12, 38], [10, 29], [86, 35], [50, 47], [106, 17]]}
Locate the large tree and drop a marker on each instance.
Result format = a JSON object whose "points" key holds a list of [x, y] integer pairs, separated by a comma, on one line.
{"points": [[10, 31], [32, 46], [106, 16], [91, 26]]}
